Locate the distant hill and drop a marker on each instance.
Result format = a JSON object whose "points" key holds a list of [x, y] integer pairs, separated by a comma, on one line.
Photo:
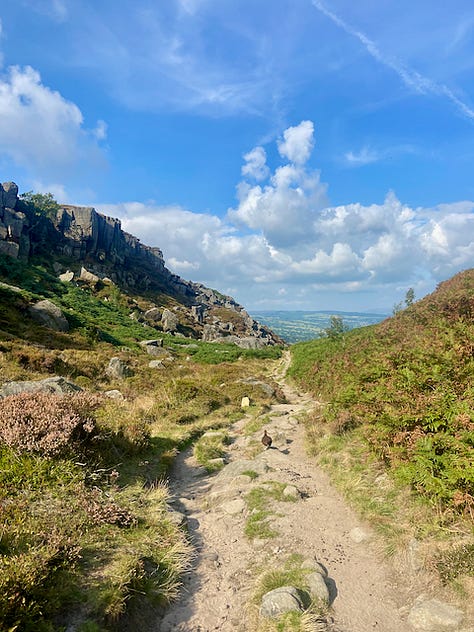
{"points": [[299, 325]]}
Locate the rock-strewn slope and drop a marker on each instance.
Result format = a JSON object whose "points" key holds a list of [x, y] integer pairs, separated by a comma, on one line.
{"points": [[87, 245]]}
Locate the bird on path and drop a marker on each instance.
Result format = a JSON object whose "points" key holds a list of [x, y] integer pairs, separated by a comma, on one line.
{"points": [[266, 440]]}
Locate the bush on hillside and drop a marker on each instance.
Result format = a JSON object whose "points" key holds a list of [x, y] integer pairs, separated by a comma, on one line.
{"points": [[46, 423]]}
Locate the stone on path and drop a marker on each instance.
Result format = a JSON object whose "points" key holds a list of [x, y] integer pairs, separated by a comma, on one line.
{"points": [[317, 587], [234, 507], [279, 601], [291, 492], [245, 403], [359, 535], [244, 465], [434, 616]]}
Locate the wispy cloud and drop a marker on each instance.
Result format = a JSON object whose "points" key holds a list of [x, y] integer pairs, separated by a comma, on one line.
{"points": [[411, 78], [363, 157]]}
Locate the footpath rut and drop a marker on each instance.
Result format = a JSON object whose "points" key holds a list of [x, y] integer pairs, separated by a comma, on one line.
{"points": [[365, 592]]}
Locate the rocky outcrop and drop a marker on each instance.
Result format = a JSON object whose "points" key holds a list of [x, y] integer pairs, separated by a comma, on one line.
{"points": [[14, 224], [97, 250]]}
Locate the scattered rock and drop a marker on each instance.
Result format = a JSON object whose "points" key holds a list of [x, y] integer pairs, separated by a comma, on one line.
{"points": [[266, 388], [291, 492], [48, 314], [153, 314], [317, 587], [176, 517], [245, 403], [279, 601], [358, 535], [114, 394], [66, 277], [117, 369], [434, 616], [239, 467], [50, 385], [156, 364], [88, 277], [169, 321], [313, 564], [158, 342], [234, 507]]}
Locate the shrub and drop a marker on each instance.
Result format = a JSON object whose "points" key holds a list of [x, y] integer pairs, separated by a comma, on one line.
{"points": [[46, 423]]}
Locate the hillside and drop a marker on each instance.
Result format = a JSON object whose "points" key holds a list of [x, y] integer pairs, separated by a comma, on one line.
{"points": [[107, 371], [77, 244], [398, 400]]}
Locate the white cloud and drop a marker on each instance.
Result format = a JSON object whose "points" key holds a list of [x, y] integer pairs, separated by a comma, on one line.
{"points": [[363, 157], [298, 142], [39, 128], [295, 250], [255, 164]]}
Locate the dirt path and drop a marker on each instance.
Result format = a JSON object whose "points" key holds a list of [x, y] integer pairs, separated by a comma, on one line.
{"points": [[365, 593]]}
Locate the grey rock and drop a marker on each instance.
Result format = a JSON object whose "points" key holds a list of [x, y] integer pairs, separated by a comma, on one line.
{"points": [[169, 320], [291, 492], [12, 288], [156, 364], [88, 277], [10, 194], [434, 616], [266, 388], [158, 342], [66, 277], [359, 535], [312, 564], [9, 248], [153, 314], [55, 384], [279, 601], [317, 587], [117, 369], [114, 394], [48, 314], [234, 507], [236, 468]]}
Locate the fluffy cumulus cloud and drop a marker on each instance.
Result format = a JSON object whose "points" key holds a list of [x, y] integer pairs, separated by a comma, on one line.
{"points": [[40, 129], [284, 246]]}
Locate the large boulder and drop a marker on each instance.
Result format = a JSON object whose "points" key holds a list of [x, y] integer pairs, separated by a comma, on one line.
{"points": [[169, 321], [48, 314], [50, 385], [117, 369]]}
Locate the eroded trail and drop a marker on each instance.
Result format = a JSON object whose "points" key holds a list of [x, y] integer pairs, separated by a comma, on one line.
{"points": [[365, 592]]}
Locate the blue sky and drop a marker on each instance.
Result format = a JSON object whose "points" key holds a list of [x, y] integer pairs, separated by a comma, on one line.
{"points": [[297, 154]]}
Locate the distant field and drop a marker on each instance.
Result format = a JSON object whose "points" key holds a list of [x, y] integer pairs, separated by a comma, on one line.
{"points": [[296, 326]]}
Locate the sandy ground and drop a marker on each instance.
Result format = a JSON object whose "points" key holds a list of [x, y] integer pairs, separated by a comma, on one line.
{"points": [[366, 593]]}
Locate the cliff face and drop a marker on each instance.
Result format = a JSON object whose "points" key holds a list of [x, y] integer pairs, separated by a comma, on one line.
{"points": [[86, 242]]}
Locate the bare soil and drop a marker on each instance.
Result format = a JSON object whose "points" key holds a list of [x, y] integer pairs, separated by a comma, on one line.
{"points": [[366, 592]]}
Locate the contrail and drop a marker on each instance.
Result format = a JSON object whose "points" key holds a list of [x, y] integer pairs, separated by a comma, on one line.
{"points": [[410, 78]]}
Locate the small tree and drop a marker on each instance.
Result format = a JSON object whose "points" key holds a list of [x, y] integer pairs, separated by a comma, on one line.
{"points": [[410, 297], [336, 329], [41, 203]]}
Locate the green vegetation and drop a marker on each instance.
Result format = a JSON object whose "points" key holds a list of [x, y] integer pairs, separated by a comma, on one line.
{"points": [[398, 410], [259, 505], [41, 204], [210, 450], [85, 529]]}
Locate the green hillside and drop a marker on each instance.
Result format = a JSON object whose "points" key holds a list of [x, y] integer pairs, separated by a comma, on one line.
{"points": [[87, 529], [408, 384]]}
